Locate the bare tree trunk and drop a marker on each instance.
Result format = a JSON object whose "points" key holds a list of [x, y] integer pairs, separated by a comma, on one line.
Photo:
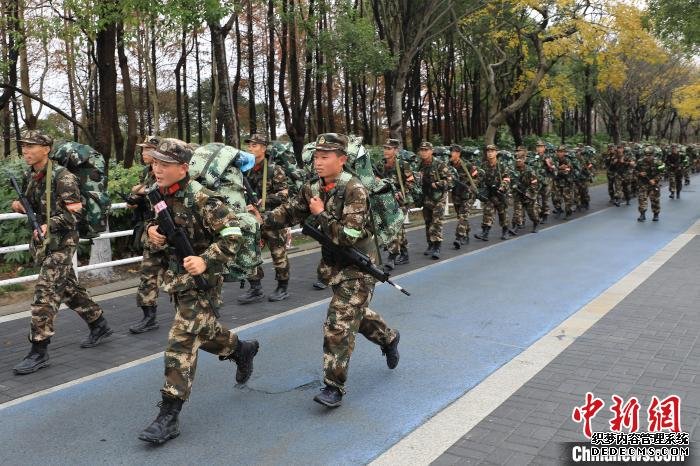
{"points": [[128, 99], [271, 113], [200, 136], [225, 96], [252, 112]]}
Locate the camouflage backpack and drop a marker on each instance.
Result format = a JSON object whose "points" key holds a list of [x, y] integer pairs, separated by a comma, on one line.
{"points": [[281, 154], [219, 168], [88, 166], [386, 214]]}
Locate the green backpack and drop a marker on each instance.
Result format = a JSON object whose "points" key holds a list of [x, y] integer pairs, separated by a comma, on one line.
{"points": [[387, 216], [88, 166], [218, 167], [281, 154]]}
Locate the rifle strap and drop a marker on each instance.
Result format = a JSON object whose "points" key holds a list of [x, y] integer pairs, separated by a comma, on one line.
{"points": [[398, 175], [469, 175], [49, 181], [264, 183]]}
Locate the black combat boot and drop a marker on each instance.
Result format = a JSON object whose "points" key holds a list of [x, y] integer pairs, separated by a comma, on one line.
{"points": [[642, 216], [678, 194], [403, 258], [99, 330], [390, 263], [166, 425], [243, 357], [627, 202], [148, 322], [656, 217], [319, 285], [670, 196], [391, 351], [37, 358], [330, 397], [504, 233], [436, 250], [534, 227], [280, 292], [459, 241], [617, 203], [484, 235], [429, 250], [253, 295], [543, 220]]}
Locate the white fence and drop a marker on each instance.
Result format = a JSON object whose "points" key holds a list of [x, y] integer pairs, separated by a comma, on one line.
{"points": [[108, 235]]}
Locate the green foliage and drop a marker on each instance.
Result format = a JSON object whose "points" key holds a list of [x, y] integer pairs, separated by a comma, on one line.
{"points": [[677, 21], [12, 231]]}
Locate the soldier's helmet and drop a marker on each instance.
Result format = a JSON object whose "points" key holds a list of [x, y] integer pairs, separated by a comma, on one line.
{"points": [[332, 142], [172, 150]]}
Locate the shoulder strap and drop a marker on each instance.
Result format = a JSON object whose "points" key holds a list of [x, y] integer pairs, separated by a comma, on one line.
{"points": [[212, 156]]}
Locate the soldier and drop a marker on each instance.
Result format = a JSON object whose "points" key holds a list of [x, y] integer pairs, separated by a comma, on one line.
{"points": [[399, 173], [436, 181], [547, 172], [152, 264], [563, 183], [619, 165], [584, 177], [338, 203], [495, 183], [57, 282], [608, 159], [463, 194], [649, 171], [525, 187], [271, 192], [674, 162], [215, 237]]}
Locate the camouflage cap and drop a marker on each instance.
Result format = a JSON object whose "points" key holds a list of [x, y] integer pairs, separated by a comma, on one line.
{"points": [[540, 142], [648, 150], [425, 145], [521, 149], [456, 148], [561, 149], [37, 137], [611, 144], [172, 150], [332, 142], [392, 143], [257, 138], [491, 147], [151, 142], [621, 145]]}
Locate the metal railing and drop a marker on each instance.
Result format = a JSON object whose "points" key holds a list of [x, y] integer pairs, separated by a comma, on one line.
{"points": [[102, 236]]}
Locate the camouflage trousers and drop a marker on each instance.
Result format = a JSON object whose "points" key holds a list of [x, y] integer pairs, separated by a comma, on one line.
{"points": [[563, 195], [675, 181], [463, 208], [195, 326], [58, 284], [631, 180], [493, 205], [348, 314], [433, 215], [653, 193], [399, 244], [522, 204], [583, 197], [276, 241], [622, 188], [544, 194], [150, 276], [611, 184]]}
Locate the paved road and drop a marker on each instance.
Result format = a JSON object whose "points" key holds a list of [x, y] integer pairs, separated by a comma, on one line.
{"points": [[468, 315]]}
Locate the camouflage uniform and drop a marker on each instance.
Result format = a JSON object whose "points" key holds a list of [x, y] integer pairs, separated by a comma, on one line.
{"points": [[434, 199], [619, 164], [608, 158], [525, 187], [495, 182], [57, 281], [276, 195], [463, 198], [649, 171], [152, 263], [215, 236], [564, 185], [346, 220], [545, 169], [391, 173], [674, 164]]}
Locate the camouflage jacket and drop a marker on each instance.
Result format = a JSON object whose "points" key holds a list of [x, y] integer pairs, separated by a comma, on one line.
{"points": [[620, 164], [566, 169], [211, 226], [346, 220], [525, 183], [391, 174], [65, 190], [436, 172], [649, 169], [674, 162], [495, 178], [463, 190], [277, 188]]}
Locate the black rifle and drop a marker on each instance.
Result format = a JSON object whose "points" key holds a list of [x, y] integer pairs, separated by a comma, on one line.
{"points": [[27, 209], [250, 196], [351, 255], [177, 238]]}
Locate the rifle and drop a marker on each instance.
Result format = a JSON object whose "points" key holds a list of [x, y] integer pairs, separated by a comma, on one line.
{"points": [[31, 216], [250, 196], [351, 255], [177, 238]]}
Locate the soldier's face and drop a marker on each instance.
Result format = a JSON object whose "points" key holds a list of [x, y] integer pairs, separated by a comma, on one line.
{"points": [[426, 154], [491, 156], [455, 155], [390, 155], [167, 174], [540, 149], [560, 154], [35, 154], [146, 155], [258, 150], [329, 164], [520, 163]]}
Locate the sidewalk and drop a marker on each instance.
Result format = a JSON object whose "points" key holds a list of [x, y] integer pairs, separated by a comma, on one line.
{"points": [[646, 345]]}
